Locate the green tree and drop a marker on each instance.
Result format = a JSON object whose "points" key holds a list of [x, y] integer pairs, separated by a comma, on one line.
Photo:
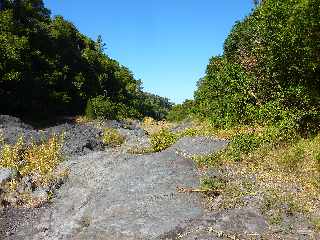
{"points": [[270, 67]]}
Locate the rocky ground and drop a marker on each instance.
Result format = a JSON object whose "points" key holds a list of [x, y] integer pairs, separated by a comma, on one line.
{"points": [[113, 194]]}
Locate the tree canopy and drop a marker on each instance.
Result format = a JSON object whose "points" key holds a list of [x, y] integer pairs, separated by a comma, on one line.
{"points": [[48, 67], [269, 70]]}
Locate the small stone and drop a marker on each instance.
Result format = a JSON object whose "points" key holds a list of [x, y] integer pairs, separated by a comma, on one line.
{"points": [[27, 182], [40, 194], [6, 174]]}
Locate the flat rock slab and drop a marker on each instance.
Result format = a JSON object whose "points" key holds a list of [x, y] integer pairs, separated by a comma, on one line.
{"points": [[113, 195], [245, 223], [198, 146]]}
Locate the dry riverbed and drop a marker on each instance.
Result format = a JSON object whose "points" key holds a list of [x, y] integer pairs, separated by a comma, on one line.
{"points": [[112, 193]]}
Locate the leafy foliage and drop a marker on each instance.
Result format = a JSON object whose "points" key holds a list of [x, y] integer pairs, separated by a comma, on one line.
{"points": [[35, 167], [112, 137], [224, 94], [212, 183], [180, 111], [38, 161], [48, 67], [162, 140], [268, 73]]}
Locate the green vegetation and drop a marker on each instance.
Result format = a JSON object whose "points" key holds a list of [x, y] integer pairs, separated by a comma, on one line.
{"points": [[36, 162], [268, 74], [180, 111], [112, 137], [212, 183], [162, 140], [48, 67], [263, 95], [39, 160]]}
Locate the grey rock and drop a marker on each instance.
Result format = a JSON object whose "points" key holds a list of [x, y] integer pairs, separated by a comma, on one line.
{"points": [[10, 121], [12, 134], [245, 220], [79, 139], [121, 196], [182, 126], [116, 195], [198, 146], [40, 194], [6, 174], [245, 223]]}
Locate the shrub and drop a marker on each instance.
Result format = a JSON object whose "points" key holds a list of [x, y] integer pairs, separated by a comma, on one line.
{"points": [[162, 140], [269, 71], [316, 223], [291, 159], [224, 94], [190, 132], [12, 156], [112, 137], [42, 160], [152, 126], [212, 183], [82, 119], [89, 111], [317, 159], [244, 143], [180, 112], [36, 166], [101, 107], [37, 161]]}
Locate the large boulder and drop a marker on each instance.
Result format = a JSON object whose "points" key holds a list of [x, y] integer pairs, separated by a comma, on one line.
{"points": [[79, 139]]}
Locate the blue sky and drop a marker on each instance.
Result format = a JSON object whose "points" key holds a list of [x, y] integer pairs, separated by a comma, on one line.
{"points": [[165, 43]]}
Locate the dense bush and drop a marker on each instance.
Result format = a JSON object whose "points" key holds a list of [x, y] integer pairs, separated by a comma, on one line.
{"points": [[224, 94], [48, 67], [162, 140], [111, 137], [180, 111], [269, 72], [100, 106]]}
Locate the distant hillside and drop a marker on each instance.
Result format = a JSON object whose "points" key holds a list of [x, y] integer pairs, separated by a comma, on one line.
{"points": [[269, 72], [48, 67]]}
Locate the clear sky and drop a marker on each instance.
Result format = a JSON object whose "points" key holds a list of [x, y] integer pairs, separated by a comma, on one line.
{"points": [[165, 43]]}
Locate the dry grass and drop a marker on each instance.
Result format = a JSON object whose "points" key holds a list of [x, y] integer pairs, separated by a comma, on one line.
{"points": [[280, 177], [152, 126], [283, 180], [82, 119], [112, 137], [37, 162]]}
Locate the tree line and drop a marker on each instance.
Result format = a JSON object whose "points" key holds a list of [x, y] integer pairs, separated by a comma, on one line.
{"points": [[268, 73], [48, 67]]}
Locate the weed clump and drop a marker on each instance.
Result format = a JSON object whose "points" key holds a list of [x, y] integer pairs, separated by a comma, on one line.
{"points": [[111, 137], [212, 183], [40, 161], [162, 140], [35, 166], [152, 126]]}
